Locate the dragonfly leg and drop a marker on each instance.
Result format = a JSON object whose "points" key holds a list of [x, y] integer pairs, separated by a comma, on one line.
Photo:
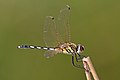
{"points": [[76, 57], [80, 57], [74, 62], [76, 65]]}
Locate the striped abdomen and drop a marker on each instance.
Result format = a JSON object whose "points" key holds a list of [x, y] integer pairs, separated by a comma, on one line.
{"points": [[34, 47]]}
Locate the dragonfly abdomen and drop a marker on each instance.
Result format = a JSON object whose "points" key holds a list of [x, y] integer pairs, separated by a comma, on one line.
{"points": [[34, 47]]}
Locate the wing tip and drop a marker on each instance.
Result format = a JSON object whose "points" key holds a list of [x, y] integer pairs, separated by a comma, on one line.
{"points": [[50, 17], [68, 7]]}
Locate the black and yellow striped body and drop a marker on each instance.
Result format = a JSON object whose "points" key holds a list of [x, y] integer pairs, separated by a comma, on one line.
{"points": [[65, 48], [68, 48]]}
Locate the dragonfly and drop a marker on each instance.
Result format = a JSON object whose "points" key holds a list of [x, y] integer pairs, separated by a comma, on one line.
{"points": [[57, 38]]}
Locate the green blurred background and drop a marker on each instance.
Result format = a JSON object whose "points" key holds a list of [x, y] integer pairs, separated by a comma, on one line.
{"points": [[94, 23]]}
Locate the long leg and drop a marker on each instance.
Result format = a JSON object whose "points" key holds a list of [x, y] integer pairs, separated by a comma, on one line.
{"points": [[76, 57], [78, 66], [80, 57]]}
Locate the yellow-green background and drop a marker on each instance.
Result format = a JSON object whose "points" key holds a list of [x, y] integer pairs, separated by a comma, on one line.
{"points": [[94, 23]]}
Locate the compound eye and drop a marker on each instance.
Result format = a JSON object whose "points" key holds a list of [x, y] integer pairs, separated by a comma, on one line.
{"points": [[82, 48]]}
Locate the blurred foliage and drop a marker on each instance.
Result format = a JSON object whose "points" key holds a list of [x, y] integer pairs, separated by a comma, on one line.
{"points": [[95, 24]]}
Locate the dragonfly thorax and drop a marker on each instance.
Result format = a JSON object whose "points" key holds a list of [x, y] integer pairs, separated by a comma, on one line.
{"points": [[71, 48]]}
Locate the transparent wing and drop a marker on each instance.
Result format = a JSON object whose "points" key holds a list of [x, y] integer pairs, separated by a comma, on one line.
{"points": [[49, 54], [63, 24], [49, 33]]}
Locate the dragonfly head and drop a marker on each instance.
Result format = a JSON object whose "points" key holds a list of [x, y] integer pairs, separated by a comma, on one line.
{"points": [[80, 48]]}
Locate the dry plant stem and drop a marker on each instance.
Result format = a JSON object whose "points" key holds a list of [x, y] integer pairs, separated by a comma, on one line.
{"points": [[87, 72], [88, 62]]}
